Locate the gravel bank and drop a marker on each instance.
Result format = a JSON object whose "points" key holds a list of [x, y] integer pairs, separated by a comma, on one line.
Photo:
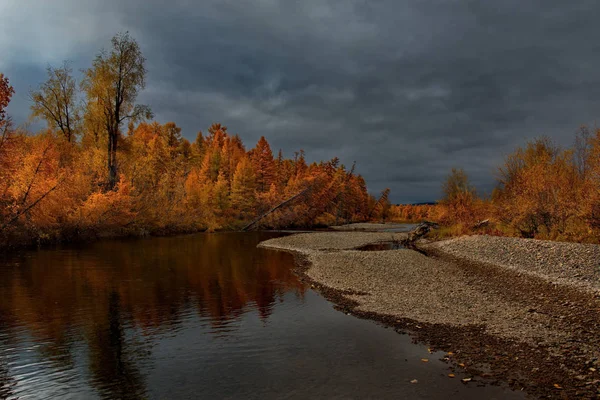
{"points": [[409, 284], [517, 328], [566, 263], [305, 242], [371, 227]]}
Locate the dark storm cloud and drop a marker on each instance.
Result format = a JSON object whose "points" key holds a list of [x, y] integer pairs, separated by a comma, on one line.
{"points": [[407, 89]]}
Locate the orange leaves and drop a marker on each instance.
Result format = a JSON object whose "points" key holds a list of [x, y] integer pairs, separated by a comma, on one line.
{"points": [[167, 184], [6, 92], [107, 211], [243, 187], [414, 213], [151, 178], [30, 193], [543, 191], [540, 190], [460, 199], [264, 164]]}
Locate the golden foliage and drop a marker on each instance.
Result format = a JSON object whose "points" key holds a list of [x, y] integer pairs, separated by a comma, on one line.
{"points": [[543, 191], [149, 179], [52, 189]]}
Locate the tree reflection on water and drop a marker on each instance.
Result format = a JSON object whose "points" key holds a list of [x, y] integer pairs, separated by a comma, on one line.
{"points": [[98, 300]]}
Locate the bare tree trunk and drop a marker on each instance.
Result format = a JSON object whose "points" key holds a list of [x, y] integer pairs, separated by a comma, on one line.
{"points": [[112, 161]]}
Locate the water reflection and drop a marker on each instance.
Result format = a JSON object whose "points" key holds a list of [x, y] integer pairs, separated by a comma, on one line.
{"points": [[201, 316], [96, 304]]}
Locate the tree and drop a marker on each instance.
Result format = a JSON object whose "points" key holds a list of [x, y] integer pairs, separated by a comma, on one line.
{"points": [[243, 187], [173, 134], [582, 147], [6, 92], [113, 84], [381, 208], [7, 164], [264, 165], [221, 194], [538, 190], [55, 101], [456, 185], [459, 196]]}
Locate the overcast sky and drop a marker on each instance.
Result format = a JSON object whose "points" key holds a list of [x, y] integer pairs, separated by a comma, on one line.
{"points": [[407, 89]]}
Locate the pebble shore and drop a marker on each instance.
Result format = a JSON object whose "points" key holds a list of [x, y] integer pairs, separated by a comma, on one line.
{"points": [[566, 263], [531, 296]]}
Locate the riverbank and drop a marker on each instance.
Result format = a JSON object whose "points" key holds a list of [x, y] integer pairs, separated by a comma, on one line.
{"points": [[534, 331], [20, 243], [375, 227]]}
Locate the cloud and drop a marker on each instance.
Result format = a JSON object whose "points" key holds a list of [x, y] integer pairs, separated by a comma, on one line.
{"points": [[407, 89]]}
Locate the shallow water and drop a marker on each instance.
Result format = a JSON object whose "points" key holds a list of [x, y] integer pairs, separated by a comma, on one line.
{"points": [[196, 316]]}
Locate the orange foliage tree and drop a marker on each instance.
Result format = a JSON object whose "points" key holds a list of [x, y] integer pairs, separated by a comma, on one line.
{"points": [[543, 191], [6, 92], [102, 181]]}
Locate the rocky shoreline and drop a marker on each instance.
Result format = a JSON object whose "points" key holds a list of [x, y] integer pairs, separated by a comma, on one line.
{"points": [[536, 332], [572, 264]]}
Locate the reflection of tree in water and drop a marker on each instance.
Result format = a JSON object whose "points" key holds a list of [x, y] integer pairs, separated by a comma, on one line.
{"points": [[113, 371], [7, 381], [226, 283], [96, 292], [7, 340]]}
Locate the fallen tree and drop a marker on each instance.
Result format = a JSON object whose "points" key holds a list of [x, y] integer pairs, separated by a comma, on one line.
{"points": [[421, 230], [278, 206]]}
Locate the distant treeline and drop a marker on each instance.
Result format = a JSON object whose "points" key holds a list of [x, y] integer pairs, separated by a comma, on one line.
{"points": [[102, 167], [543, 191]]}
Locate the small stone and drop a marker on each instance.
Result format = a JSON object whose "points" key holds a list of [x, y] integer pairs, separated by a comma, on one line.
{"points": [[414, 381]]}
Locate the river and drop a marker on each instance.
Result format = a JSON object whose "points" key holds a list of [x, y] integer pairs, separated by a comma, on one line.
{"points": [[196, 316]]}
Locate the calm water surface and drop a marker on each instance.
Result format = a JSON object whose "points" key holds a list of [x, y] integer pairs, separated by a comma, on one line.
{"points": [[198, 316]]}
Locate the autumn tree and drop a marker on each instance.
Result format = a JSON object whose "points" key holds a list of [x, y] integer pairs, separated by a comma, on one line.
{"points": [[221, 194], [6, 92], [7, 166], [299, 163], [112, 85], [243, 188], [582, 149], [591, 205], [56, 102], [263, 163], [52, 190], [35, 176], [459, 196], [456, 185], [381, 208]]}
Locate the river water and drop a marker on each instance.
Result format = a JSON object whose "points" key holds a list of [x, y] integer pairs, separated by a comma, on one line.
{"points": [[196, 316]]}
